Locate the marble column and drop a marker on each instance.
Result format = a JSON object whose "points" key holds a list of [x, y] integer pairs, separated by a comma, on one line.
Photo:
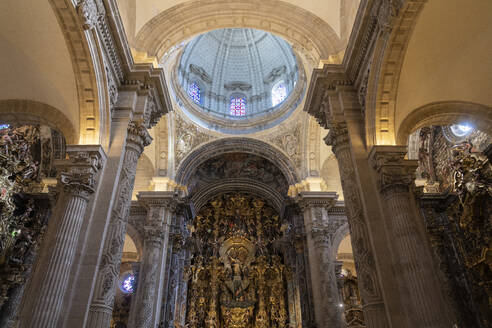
{"points": [[319, 233], [101, 308], [76, 182], [395, 177], [161, 206], [369, 288]]}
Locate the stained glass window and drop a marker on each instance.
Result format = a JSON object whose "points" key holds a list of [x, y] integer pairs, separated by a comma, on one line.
{"points": [[194, 92], [279, 93], [4, 126], [238, 106], [128, 283]]}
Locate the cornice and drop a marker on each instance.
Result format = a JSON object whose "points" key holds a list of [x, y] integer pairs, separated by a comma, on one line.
{"points": [[117, 52]]}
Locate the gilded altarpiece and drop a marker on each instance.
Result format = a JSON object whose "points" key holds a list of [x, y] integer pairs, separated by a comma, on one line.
{"points": [[238, 277]]}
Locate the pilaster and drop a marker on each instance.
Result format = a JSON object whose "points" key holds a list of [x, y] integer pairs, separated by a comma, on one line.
{"points": [[369, 285], [319, 235], [395, 180], [161, 207], [77, 182], [100, 311]]}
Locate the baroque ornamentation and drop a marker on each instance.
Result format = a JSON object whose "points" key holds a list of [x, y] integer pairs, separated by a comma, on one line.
{"points": [[237, 277], [88, 12], [188, 137], [289, 140], [338, 138]]}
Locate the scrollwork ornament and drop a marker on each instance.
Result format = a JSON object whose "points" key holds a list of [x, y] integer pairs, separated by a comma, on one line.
{"points": [[395, 173], [88, 12], [138, 136]]}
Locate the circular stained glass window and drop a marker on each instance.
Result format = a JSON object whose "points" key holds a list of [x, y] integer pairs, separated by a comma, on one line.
{"points": [[128, 283], [461, 130]]}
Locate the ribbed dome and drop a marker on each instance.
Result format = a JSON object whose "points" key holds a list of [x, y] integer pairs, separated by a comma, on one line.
{"points": [[230, 73]]}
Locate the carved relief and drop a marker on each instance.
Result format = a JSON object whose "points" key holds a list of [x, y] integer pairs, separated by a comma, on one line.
{"points": [[338, 138], [289, 140], [188, 137], [137, 139], [236, 278]]}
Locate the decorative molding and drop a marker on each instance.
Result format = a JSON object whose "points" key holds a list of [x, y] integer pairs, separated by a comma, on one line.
{"points": [[78, 174], [182, 21], [200, 71], [275, 74], [188, 137], [394, 171], [237, 85]]}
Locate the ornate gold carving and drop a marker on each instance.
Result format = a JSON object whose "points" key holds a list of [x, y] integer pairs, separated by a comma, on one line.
{"points": [[236, 269]]}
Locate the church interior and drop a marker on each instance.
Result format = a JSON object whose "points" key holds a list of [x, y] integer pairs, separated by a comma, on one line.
{"points": [[246, 164]]}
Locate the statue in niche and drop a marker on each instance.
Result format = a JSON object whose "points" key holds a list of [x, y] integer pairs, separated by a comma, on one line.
{"points": [[350, 290]]}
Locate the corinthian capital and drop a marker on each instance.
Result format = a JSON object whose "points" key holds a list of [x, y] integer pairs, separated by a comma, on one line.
{"points": [[78, 173], [138, 137], [338, 136], [394, 171]]}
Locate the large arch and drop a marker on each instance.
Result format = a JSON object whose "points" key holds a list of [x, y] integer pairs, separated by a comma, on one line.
{"points": [[181, 22], [90, 76], [235, 145], [418, 63], [32, 112], [446, 113]]}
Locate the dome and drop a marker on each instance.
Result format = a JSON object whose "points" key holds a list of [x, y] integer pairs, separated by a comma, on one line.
{"points": [[238, 80]]}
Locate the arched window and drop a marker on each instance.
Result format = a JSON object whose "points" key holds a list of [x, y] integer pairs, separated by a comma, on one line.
{"points": [[279, 93], [238, 106], [194, 92]]}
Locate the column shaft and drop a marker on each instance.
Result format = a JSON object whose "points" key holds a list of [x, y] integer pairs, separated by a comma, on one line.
{"points": [[396, 176], [370, 291], [321, 262], [150, 288], [77, 183]]}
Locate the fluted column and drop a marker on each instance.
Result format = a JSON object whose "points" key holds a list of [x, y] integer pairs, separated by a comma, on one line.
{"points": [[369, 288], [76, 182], [161, 207], [101, 308], [395, 179], [319, 233]]}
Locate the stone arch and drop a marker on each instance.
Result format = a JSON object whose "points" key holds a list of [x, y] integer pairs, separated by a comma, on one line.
{"points": [[416, 63], [384, 74], [235, 145], [339, 235], [182, 21], [135, 236], [274, 199], [445, 113], [91, 80], [26, 111]]}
